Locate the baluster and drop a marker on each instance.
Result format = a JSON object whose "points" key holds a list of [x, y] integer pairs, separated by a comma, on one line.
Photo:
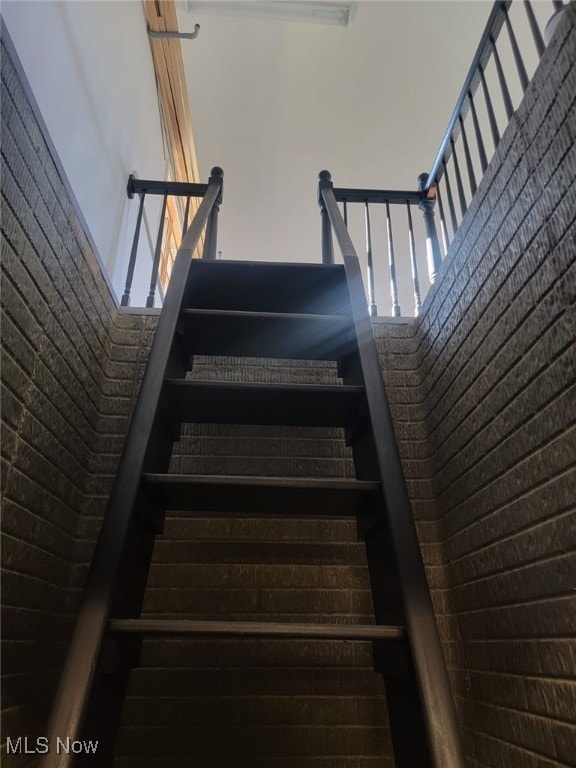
{"points": [[453, 218], [468, 158], [371, 293], [157, 252], [415, 281], [211, 234], [490, 108], [443, 227], [502, 80], [325, 180], [534, 28], [392, 264], [125, 301], [345, 213], [522, 74], [459, 185], [426, 205], [186, 213], [478, 134]]}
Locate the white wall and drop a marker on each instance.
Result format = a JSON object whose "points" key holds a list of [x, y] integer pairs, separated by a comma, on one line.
{"points": [[275, 102], [90, 69]]}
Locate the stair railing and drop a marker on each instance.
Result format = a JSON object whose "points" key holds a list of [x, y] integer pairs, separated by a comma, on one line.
{"points": [[178, 198], [424, 200], [85, 648], [426, 648], [476, 153]]}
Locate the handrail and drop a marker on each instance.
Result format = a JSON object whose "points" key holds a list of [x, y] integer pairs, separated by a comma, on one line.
{"points": [[79, 670], [165, 242], [477, 84], [432, 678], [491, 32], [424, 199]]}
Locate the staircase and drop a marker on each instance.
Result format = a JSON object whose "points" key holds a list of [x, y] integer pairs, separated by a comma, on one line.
{"points": [[257, 632]]}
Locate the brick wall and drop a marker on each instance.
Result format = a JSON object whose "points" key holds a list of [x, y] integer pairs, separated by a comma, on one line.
{"points": [[484, 398], [68, 381]]}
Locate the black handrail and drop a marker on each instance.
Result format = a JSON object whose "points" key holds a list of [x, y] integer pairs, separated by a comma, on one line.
{"points": [[432, 678], [476, 83], [79, 670], [178, 189], [423, 198]]}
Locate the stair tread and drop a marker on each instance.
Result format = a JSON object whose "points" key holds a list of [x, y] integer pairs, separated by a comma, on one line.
{"points": [[267, 286], [360, 486], [263, 495], [318, 405], [257, 629], [267, 334]]}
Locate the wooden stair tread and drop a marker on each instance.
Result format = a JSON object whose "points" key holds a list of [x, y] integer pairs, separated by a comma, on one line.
{"points": [[267, 334], [180, 627], [267, 287], [316, 405], [263, 495]]}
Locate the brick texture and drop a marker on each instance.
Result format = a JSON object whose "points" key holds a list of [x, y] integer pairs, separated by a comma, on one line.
{"points": [[68, 382], [483, 391]]}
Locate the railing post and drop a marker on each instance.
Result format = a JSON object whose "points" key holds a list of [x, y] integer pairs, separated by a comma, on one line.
{"points": [[125, 301], [325, 182], [426, 205], [211, 235]]}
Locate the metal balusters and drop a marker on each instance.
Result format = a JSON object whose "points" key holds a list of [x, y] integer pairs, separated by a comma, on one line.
{"points": [[491, 116], [345, 206], [443, 227], [468, 158], [426, 205], [453, 219], [327, 244], [370, 266], [186, 214], [157, 252], [502, 80], [522, 74], [211, 233], [414, 265], [396, 312], [478, 134], [125, 301], [534, 28], [459, 185]]}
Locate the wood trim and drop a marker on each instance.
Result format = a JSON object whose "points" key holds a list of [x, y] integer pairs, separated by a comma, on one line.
{"points": [[174, 103]]}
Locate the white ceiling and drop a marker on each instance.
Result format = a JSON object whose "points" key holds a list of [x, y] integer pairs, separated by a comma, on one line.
{"points": [[275, 102]]}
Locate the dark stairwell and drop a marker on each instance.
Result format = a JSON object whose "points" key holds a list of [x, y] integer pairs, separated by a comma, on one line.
{"points": [[482, 391]]}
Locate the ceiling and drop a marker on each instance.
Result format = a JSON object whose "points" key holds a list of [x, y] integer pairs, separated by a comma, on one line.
{"points": [[274, 102]]}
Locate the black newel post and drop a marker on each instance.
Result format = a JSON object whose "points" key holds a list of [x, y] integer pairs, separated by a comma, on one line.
{"points": [[211, 236], [426, 205], [125, 301], [325, 182]]}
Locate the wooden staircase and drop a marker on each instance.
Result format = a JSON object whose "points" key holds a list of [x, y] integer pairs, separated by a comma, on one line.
{"points": [[290, 311]]}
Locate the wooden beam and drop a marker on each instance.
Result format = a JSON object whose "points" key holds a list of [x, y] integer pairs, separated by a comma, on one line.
{"points": [[173, 96]]}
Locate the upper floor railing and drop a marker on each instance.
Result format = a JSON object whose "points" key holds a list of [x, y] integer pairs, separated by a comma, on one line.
{"points": [[498, 76], [177, 200], [509, 50]]}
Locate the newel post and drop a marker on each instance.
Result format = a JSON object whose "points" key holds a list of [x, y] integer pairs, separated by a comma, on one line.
{"points": [[426, 205], [325, 182], [211, 235]]}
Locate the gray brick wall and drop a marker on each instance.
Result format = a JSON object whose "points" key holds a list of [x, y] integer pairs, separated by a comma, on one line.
{"points": [[68, 382], [484, 398]]}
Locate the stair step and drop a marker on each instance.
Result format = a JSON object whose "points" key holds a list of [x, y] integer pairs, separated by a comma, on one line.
{"points": [[155, 627], [275, 495], [267, 334], [267, 287], [204, 402]]}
